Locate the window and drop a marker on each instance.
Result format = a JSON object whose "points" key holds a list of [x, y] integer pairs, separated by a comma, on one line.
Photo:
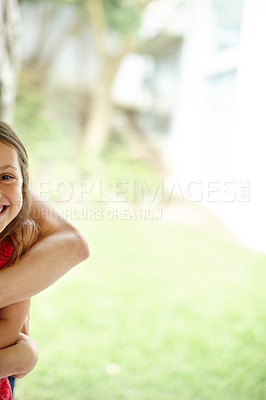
{"points": [[227, 16]]}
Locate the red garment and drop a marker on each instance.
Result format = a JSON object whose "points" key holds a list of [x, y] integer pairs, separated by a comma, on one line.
{"points": [[5, 389], [5, 253]]}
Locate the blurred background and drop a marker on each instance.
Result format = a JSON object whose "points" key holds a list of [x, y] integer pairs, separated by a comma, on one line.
{"points": [[144, 122]]}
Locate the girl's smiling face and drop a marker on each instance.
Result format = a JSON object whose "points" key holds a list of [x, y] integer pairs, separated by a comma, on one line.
{"points": [[11, 181]]}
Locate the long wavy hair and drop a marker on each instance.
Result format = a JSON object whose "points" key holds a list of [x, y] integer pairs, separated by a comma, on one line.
{"points": [[22, 232]]}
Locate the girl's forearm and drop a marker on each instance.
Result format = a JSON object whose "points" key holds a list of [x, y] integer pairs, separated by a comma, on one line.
{"points": [[20, 358], [51, 257], [12, 319], [7, 338], [59, 248]]}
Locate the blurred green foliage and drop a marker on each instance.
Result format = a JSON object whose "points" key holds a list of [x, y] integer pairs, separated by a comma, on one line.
{"points": [[122, 16], [46, 134], [50, 131]]}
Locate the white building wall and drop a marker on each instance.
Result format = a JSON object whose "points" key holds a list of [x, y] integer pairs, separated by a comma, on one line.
{"points": [[249, 130], [219, 124], [189, 124]]}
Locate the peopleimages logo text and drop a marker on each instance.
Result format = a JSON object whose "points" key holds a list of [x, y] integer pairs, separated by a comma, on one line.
{"points": [[143, 191]]}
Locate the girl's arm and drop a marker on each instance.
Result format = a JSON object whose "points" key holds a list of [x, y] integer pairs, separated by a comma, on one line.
{"points": [[20, 358], [61, 246], [12, 318]]}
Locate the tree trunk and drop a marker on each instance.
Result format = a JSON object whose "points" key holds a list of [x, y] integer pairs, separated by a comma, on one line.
{"points": [[96, 130], [10, 26], [97, 126]]}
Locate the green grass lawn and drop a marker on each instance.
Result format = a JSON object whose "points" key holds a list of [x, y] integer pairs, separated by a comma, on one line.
{"points": [[180, 311]]}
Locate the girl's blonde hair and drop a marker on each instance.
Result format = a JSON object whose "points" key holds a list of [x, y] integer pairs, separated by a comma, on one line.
{"points": [[23, 231]]}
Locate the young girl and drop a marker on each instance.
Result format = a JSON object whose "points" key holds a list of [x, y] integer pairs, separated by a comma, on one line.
{"points": [[18, 232]]}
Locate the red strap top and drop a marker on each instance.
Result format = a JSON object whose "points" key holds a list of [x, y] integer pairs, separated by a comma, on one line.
{"points": [[5, 253], [5, 389]]}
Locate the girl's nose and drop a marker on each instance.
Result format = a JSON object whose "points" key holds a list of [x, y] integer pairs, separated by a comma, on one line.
{"points": [[2, 196]]}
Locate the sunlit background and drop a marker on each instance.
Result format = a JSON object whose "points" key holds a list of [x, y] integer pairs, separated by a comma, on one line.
{"points": [[144, 123]]}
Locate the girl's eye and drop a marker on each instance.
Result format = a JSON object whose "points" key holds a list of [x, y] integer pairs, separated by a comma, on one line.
{"points": [[6, 177]]}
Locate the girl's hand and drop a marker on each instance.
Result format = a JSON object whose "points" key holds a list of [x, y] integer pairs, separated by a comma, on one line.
{"points": [[27, 355]]}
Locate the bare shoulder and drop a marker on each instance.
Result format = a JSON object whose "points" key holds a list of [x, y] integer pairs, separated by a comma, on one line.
{"points": [[45, 215], [53, 225]]}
